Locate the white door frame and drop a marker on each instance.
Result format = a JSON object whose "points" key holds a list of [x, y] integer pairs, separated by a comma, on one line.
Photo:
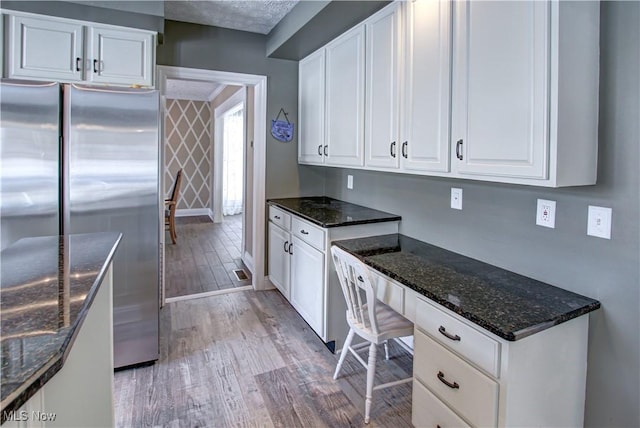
{"points": [[259, 83]]}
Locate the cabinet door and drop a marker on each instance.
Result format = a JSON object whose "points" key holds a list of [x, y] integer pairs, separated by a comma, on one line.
{"points": [[426, 116], [345, 99], [500, 88], [307, 284], [382, 88], [279, 258], [120, 56], [311, 140], [44, 49]]}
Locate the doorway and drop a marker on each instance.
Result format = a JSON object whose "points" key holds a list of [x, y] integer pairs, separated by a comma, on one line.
{"points": [[250, 104]]}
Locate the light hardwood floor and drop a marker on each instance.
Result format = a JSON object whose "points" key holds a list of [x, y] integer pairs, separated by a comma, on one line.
{"points": [[248, 359], [204, 256]]}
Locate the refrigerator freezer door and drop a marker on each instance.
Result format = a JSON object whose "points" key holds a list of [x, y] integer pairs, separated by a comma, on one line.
{"points": [[111, 162], [29, 159]]}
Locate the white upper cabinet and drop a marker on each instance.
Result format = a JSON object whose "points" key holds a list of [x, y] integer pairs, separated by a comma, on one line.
{"points": [[525, 92], [344, 113], [120, 56], [500, 79], [48, 48], [311, 141], [426, 105], [42, 47], [383, 88]]}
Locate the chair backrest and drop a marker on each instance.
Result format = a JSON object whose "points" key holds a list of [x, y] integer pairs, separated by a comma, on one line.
{"points": [[176, 189], [355, 280]]}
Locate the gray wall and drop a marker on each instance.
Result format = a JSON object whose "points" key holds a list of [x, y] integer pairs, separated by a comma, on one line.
{"points": [[220, 49], [497, 224]]}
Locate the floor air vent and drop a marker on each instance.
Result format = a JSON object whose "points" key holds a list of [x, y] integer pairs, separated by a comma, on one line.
{"points": [[240, 274]]}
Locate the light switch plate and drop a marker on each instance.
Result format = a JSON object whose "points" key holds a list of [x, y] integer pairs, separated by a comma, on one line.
{"points": [[546, 213], [350, 182], [456, 198], [599, 222]]}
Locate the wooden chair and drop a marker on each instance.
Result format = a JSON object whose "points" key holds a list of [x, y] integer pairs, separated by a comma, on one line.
{"points": [[170, 208], [367, 317]]}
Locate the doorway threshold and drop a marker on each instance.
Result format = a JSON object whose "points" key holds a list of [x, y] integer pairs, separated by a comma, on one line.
{"points": [[209, 294]]}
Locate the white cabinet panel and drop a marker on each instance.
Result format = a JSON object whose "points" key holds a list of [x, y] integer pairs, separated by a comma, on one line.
{"points": [[501, 76], [431, 412], [43, 48], [426, 118], [345, 99], [307, 279], [382, 88], [279, 258], [311, 108], [471, 393], [120, 56], [66, 50]]}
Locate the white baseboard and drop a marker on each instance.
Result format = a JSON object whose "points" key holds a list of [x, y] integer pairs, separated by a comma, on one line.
{"points": [[191, 212], [247, 259]]}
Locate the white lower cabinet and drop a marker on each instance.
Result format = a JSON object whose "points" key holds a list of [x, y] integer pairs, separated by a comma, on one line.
{"points": [[300, 266], [307, 275], [279, 258], [466, 376]]}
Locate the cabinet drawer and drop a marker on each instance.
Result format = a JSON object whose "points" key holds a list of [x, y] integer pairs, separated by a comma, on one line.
{"points": [[388, 292], [471, 393], [428, 411], [279, 217], [313, 235], [471, 344]]}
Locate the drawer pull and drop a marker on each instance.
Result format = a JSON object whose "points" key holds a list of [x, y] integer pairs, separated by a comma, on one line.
{"points": [[304, 232], [277, 217], [453, 385], [443, 331]]}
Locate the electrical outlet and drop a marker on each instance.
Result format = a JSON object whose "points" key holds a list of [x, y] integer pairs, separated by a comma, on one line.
{"points": [[350, 182], [456, 198], [546, 213], [599, 222]]}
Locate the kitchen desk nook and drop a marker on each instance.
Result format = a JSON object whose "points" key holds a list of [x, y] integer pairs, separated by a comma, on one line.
{"points": [[57, 331], [491, 348]]}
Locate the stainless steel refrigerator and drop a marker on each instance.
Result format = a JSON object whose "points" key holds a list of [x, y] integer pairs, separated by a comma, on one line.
{"points": [[77, 159]]}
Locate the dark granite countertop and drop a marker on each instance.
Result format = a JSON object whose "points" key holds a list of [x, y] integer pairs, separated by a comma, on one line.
{"points": [[47, 286], [509, 305], [328, 212]]}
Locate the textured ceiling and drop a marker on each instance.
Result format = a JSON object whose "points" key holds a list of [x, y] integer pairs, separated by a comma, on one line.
{"points": [[195, 90], [248, 15]]}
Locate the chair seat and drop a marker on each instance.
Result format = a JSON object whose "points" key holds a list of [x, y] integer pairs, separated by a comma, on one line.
{"points": [[390, 324]]}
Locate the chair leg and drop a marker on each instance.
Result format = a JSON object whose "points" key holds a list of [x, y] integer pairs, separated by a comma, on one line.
{"points": [[371, 372], [386, 350], [172, 229], [344, 352]]}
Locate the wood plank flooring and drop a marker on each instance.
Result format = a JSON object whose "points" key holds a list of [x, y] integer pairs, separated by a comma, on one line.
{"points": [[247, 359], [204, 257]]}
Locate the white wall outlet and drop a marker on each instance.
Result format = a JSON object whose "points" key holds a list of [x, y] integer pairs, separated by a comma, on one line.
{"points": [[546, 213], [350, 182], [599, 222], [456, 198]]}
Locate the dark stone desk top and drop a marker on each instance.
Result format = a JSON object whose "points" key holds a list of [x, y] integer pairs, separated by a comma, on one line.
{"points": [[47, 286], [509, 305], [328, 212]]}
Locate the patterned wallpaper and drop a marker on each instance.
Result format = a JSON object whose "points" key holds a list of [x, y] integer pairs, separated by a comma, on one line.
{"points": [[188, 146]]}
